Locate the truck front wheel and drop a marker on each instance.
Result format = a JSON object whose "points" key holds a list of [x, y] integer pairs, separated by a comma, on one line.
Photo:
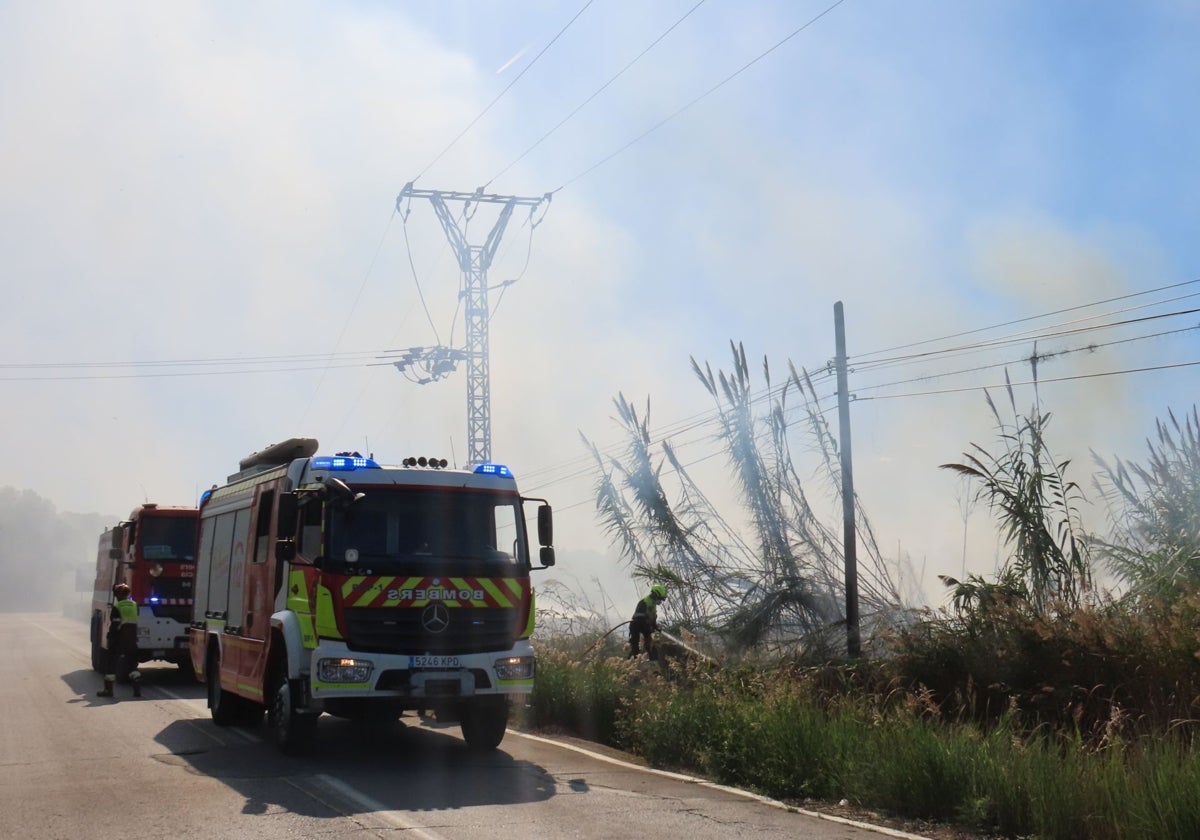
{"points": [[484, 720], [294, 731]]}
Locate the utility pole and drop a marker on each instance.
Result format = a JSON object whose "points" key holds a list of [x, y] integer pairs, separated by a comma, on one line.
{"points": [[849, 538], [473, 261]]}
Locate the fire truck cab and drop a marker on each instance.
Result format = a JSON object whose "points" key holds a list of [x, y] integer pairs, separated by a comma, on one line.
{"points": [[336, 585]]}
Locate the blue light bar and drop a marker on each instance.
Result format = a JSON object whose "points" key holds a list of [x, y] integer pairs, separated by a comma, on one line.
{"points": [[340, 462], [494, 469]]}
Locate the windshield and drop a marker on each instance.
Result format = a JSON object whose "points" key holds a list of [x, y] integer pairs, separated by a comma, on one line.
{"points": [[168, 538], [429, 531]]}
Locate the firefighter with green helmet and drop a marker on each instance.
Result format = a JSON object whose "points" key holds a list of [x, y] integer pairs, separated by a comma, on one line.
{"points": [[122, 643], [645, 621]]}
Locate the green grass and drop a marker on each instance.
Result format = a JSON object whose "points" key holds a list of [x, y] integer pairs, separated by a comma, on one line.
{"points": [[786, 734]]}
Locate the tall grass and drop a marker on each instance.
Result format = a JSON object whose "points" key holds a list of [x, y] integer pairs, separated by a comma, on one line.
{"points": [[785, 734]]}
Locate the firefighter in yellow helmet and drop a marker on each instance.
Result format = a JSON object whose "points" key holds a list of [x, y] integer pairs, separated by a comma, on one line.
{"points": [[645, 620], [122, 643]]}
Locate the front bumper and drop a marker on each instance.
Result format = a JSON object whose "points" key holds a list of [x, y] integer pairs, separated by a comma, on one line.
{"points": [[337, 672]]}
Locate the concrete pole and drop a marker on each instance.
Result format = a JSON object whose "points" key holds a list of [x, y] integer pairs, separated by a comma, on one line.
{"points": [[849, 538]]}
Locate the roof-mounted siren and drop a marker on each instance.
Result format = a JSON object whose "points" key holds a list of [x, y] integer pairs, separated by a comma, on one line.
{"points": [[433, 463]]}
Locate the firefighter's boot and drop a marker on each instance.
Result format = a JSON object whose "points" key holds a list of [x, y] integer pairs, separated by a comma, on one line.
{"points": [[135, 679], [107, 691]]}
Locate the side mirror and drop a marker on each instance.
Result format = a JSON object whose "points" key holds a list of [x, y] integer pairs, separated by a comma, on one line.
{"points": [[338, 494], [285, 518], [546, 555], [285, 550], [545, 519], [118, 534]]}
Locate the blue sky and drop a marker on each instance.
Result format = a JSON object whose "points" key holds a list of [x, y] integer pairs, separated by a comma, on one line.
{"points": [[199, 181]]}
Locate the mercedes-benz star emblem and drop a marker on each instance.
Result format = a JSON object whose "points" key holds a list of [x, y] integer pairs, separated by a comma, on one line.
{"points": [[435, 618]]}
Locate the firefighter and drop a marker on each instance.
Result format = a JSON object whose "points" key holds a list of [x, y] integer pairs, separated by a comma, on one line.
{"points": [[122, 643], [645, 620]]}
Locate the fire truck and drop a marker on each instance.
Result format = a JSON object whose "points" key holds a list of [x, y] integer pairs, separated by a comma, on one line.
{"points": [[154, 552], [335, 585]]}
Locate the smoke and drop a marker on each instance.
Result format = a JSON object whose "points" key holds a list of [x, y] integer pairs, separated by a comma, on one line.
{"points": [[45, 555]]}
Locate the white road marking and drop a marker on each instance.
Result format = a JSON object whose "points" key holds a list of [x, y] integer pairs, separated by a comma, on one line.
{"points": [[774, 803], [376, 809]]}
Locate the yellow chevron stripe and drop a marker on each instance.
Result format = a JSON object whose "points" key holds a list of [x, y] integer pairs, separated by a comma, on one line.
{"points": [[495, 592], [372, 592], [350, 585]]}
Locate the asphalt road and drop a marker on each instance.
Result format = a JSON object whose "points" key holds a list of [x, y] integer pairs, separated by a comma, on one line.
{"points": [[73, 765]]}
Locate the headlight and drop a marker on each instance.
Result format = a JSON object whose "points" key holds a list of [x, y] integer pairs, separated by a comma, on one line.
{"points": [[515, 668], [344, 670], [156, 570]]}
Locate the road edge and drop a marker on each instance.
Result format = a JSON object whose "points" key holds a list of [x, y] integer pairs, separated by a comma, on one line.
{"points": [[696, 780]]}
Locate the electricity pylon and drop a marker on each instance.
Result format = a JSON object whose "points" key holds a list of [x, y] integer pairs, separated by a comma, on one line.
{"points": [[473, 261]]}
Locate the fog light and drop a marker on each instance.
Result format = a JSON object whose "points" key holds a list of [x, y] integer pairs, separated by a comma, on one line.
{"points": [[344, 670], [515, 668]]}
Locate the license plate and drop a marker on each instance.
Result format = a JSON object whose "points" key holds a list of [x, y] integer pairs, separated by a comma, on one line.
{"points": [[433, 662]]}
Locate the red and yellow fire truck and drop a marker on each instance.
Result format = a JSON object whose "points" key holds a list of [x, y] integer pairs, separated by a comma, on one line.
{"points": [[336, 585], [154, 551]]}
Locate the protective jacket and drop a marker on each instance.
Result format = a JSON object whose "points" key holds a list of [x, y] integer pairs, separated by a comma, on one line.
{"points": [[645, 615], [643, 623], [123, 641]]}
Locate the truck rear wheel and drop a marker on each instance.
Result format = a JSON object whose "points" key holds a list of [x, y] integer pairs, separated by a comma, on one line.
{"points": [[484, 720], [222, 704], [186, 666], [294, 731], [98, 653]]}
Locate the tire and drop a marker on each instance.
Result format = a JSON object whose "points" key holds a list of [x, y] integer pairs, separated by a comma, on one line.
{"points": [[294, 732], [98, 652], [221, 704], [484, 720]]}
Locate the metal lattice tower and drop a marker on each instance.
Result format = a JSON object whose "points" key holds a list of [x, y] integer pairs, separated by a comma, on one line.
{"points": [[473, 261]]}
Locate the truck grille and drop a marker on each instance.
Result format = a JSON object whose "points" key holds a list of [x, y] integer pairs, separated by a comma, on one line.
{"points": [[391, 630]]}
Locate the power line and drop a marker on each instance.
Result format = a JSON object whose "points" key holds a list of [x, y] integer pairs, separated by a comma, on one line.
{"points": [[220, 361], [349, 314], [170, 374], [667, 432], [596, 93], [702, 96], [1026, 319], [1038, 381], [1020, 338], [416, 280], [1041, 357], [488, 107]]}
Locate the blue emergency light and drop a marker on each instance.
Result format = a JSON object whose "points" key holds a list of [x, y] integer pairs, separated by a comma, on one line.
{"points": [[344, 462], [494, 469]]}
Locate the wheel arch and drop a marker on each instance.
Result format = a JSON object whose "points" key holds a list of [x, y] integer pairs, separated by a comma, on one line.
{"points": [[287, 642]]}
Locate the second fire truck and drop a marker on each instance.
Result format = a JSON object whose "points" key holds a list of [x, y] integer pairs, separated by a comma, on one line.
{"points": [[154, 552], [332, 584]]}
